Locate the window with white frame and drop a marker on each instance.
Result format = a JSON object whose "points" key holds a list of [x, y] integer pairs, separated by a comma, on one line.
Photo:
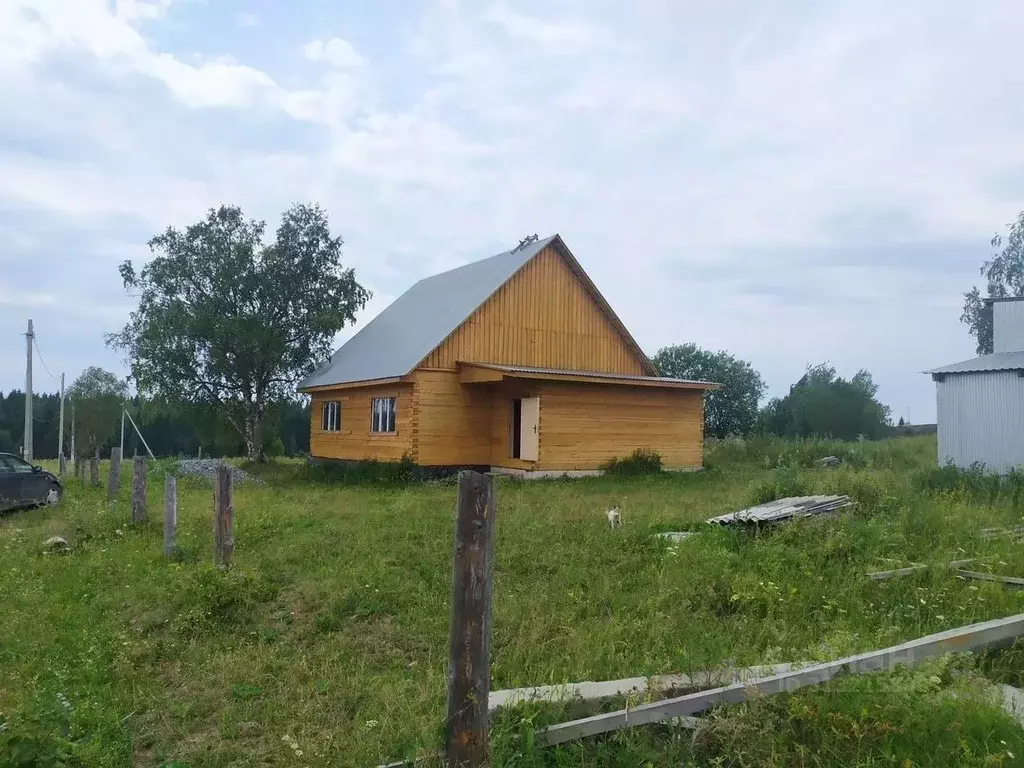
{"points": [[330, 420], [383, 414]]}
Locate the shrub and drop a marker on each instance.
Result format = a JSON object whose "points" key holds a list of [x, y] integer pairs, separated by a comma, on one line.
{"points": [[643, 461]]}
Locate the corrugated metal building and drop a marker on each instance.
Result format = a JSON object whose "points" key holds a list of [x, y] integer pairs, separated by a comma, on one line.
{"points": [[981, 401]]}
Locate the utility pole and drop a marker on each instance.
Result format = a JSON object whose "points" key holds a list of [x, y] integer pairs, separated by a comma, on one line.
{"points": [[27, 449], [122, 429], [60, 435]]}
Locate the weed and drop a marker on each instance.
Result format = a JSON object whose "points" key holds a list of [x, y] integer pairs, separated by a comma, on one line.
{"points": [[643, 461]]}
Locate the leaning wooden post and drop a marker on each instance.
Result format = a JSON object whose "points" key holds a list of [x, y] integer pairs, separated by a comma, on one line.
{"points": [[139, 513], [223, 518], [467, 728], [170, 513], [114, 480], [94, 469]]}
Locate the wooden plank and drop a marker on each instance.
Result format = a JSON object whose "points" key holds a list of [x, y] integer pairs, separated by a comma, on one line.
{"points": [[139, 512], [1011, 581], [589, 691], [989, 634], [912, 568], [170, 514], [467, 736], [223, 518]]}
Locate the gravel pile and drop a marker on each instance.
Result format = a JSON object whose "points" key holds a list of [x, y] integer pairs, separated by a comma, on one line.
{"points": [[208, 468]]}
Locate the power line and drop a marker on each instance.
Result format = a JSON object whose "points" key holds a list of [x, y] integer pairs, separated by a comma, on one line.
{"points": [[36, 345]]}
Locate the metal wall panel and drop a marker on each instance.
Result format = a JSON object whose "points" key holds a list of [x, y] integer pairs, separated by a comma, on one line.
{"points": [[1008, 326], [981, 419]]}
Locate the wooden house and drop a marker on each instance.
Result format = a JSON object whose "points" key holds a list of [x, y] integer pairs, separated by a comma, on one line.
{"points": [[515, 362]]}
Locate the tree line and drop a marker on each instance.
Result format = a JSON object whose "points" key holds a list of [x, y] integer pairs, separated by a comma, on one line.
{"points": [[170, 428], [821, 403]]}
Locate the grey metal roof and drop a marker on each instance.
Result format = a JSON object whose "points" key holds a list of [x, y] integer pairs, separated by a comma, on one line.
{"points": [[1000, 361], [784, 509], [623, 376], [415, 323]]}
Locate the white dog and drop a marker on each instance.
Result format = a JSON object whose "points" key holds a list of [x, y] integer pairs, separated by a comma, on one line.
{"points": [[614, 517]]}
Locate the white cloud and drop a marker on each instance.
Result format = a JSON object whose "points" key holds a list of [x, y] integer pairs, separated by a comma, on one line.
{"points": [[554, 37], [244, 19], [335, 52], [706, 161], [25, 299]]}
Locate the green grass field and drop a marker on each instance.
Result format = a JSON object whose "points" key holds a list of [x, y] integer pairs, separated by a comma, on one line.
{"points": [[326, 643]]}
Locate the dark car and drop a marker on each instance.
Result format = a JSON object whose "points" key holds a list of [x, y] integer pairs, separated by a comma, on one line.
{"points": [[23, 485]]}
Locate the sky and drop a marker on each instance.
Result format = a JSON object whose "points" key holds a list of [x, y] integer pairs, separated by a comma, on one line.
{"points": [[794, 182]]}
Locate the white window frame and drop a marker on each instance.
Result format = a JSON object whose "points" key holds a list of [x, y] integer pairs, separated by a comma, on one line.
{"points": [[384, 415], [330, 417]]}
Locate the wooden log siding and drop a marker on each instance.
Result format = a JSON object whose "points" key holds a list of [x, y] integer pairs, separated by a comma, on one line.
{"points": [[354, 441], [542, 317], [453, 421], [584, 425]]}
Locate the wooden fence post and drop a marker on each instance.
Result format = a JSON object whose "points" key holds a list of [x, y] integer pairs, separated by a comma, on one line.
{"points": [[139, 512], [223, 518], [467, 727], [170, 513], [62, 463], [94, 469], [114, 481], [79, 469]]}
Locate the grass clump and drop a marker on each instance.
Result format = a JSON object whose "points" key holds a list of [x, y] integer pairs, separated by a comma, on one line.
{"points": [[643, 461]]}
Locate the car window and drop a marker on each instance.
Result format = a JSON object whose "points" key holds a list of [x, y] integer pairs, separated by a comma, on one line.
{"points": [[4, 467], [18, 465]]}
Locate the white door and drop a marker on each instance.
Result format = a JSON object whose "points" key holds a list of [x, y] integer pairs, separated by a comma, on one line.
{"points": [[529, 431]]}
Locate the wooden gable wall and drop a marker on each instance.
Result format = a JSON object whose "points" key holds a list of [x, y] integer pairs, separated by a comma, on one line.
{"points": [[543, 317]]}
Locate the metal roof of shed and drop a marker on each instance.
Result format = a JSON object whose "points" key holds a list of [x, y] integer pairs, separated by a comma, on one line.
{"points": [[999, 361]]}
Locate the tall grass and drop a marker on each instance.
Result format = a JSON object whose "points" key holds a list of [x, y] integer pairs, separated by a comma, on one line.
{"points": [[329, 635]]}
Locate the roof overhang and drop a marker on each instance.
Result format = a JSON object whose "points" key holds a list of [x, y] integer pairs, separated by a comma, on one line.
{"points": [[354, 384], [486, 373]]}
